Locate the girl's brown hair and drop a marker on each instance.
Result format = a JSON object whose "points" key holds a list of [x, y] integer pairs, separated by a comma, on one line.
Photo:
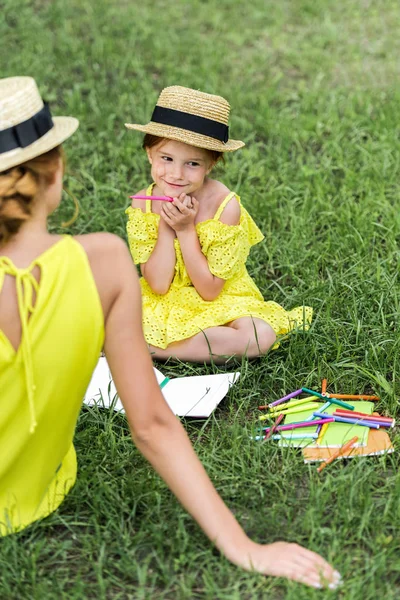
{"points": [[18, 188], [150, 140]]}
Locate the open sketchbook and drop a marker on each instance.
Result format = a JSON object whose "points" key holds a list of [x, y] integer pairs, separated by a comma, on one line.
{"points": [[195, 396]]}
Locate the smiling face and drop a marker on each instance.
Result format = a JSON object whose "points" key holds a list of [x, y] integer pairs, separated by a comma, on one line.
{"points": [[177, 167]]}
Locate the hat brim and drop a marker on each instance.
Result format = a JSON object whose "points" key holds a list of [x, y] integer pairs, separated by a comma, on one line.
{"points": [[186, 136], [63, 128]]}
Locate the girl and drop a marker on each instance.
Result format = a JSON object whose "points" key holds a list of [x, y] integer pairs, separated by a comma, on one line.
{"points": [[199, 302], [84, 292]]}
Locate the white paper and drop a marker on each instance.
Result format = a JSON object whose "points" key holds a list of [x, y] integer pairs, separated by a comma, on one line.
{"points": [[194, 396]]}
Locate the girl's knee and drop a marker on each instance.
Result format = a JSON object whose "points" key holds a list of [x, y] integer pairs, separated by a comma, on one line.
{"points": [[265, 337], [256, 338]]}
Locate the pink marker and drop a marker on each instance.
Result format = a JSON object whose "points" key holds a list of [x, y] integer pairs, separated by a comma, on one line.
{"points": [[299, 425], [161, 198]]}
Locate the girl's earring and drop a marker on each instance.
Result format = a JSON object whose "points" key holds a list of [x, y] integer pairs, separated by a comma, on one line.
{"points": [[76, 212]]}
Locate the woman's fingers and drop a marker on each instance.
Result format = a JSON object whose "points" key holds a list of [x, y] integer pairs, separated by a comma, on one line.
{"points": [[282, 559], [310, 568]]}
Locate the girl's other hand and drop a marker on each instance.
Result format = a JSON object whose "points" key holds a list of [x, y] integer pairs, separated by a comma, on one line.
{"points": [[181, 213]]}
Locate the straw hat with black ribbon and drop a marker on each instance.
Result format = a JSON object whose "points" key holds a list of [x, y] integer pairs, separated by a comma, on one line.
{"points": [[192, 117], [27, 128]]}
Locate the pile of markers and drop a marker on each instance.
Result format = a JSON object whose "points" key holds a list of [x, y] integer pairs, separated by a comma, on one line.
{"points": [[319, 419]]}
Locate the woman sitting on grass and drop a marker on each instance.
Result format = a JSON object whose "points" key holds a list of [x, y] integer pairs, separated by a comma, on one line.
{"points": [[199, 302], [61, 299]]}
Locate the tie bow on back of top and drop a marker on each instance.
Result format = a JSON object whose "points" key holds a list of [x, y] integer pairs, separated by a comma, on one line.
{"points": [[43, 381], [26, 286]]}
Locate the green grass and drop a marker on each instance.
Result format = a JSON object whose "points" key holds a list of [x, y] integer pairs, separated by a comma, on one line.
{"points": [[314, 94]]}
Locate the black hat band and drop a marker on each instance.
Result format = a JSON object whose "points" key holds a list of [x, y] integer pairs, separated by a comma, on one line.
{"points": [[25, 133], [194, 123]]}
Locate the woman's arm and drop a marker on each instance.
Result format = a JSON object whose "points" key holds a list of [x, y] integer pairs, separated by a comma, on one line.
{"points": [[161, 438], [159, 269]]}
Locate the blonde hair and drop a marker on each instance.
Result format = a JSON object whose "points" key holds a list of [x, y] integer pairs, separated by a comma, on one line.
{"points": [[19, 187]]}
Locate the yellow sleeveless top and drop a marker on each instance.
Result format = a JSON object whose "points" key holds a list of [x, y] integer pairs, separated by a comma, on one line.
{"points": [[43, 383]]}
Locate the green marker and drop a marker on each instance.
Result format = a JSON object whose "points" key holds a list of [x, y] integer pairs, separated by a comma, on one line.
{"points": [[330, 398], [164, 382]]}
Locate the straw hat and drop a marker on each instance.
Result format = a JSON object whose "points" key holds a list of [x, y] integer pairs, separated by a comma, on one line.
{"points": [[192, 117], [27, 128]]}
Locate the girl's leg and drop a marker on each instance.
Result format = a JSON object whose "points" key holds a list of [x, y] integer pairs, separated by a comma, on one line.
{"points": [[245, 336]]}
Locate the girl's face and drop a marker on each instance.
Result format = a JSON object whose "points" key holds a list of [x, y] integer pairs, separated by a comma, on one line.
{"points": [[177, 167]]}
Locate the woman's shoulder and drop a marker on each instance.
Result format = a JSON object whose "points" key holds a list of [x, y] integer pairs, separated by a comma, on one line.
{"points": [[101, 246], [110, 263]]}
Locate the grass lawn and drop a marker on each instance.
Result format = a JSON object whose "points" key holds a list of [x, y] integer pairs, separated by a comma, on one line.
{"points": [[315, 96]]}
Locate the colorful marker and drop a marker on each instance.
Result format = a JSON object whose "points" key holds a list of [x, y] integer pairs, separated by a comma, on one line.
{"points": [[322, 433], [332, 398], [274, 426], [292, 395], [340, 403], [338, 453], [161, 198], [288, 405], [296, 436], [300, 424], [322, 409], [381, 422], [350, 421], [292, 411], [355, 397], [374, 417]]}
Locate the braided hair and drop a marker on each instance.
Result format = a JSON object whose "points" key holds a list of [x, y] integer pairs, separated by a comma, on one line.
{"points": [[19, 187]]}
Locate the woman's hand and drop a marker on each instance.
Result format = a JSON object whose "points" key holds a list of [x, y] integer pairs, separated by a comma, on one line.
{"points": [[282, 559], [181, 213]]}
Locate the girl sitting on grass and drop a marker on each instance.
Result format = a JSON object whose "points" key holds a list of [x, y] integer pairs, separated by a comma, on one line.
{"points": [[199, 302], [61, 299]]}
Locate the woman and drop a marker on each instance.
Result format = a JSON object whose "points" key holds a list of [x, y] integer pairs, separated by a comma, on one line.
{"points": [[61, 299]]}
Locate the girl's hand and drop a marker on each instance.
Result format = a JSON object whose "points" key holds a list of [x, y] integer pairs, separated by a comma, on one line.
{"points": [[165, 230], [282, 559], [181, 213]]}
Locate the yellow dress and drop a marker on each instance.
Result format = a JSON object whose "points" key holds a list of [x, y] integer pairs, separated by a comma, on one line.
{"points": [[182, 312], [43, 383]]}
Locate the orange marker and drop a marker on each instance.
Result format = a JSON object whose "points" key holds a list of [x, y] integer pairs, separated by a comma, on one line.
{"points": [[340, 451], [324, 385], [353, 397]]}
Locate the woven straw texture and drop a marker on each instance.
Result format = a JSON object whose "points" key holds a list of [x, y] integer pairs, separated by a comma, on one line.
{"points": [[196, 103], [19, 100]]}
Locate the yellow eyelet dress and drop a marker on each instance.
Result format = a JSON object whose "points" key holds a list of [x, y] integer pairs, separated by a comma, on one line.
{"points": [[43, 383], [182, 312]]}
